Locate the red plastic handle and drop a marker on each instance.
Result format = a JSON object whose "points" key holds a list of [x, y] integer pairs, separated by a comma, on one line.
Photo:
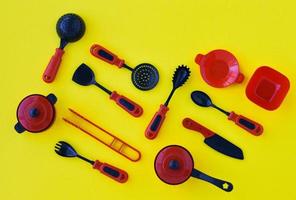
{"points": [[195, 126], [53, 66], [106, 55], [128, 105], [247, 124], [155, 124], [116, 174]]}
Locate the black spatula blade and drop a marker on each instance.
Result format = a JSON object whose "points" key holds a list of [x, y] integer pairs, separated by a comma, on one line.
{"points": [[83, 75], [224, 146]]}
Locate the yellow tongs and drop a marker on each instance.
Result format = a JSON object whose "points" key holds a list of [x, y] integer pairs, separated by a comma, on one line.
{"points": [[103, 136]]}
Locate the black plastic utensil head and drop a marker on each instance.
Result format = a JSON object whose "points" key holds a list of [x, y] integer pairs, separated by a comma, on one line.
{"points": [[145, 76], [83, 75], [70, 27], [222, 145], [64, 149], [201, 99], [181, 75]]}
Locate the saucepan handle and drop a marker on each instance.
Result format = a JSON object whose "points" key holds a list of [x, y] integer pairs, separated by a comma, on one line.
{"points": [[224, 185]]}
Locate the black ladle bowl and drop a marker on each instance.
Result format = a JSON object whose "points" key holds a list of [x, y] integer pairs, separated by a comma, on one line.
{"points": [[70, 28]]}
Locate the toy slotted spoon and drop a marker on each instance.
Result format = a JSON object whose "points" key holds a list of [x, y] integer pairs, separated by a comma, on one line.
{"points": [[144, 76]]}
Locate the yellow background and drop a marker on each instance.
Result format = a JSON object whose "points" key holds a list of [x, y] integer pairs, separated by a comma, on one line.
{"points": [[165, 33]]}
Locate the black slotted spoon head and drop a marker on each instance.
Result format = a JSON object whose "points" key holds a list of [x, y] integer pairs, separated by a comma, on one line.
{"points": [[145, 76]]}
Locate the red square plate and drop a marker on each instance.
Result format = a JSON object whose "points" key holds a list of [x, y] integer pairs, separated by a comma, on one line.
{"points": [[267, 88]]}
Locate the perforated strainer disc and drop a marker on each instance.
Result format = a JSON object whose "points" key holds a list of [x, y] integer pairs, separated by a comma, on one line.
{"points": [[145, 76]]}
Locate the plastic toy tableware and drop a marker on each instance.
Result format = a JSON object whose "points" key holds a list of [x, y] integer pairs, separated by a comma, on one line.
{"points": [[85, 76], [98, 133], [70, 28], [144, 76], [174, 165], [35, 113], [267, 88], [181, 75], [66, 150], [214, 140], [219, 68], [202, 99]]}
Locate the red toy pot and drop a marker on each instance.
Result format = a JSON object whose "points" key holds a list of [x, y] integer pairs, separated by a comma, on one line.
{"points": [[174, 165], [35, 113], [219, 68]]}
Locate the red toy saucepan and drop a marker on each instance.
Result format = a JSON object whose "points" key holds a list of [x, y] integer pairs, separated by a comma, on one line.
{"points": [[219, 68], [174, 165]]}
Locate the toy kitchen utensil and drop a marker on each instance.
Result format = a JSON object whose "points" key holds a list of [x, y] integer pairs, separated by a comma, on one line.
{"points": [[202, 99], [66, 150], [267, 88], [85, 76], [144, 76], [219, 68], [174, 165], [214, 140], [86, 126], [35, 113], [181, 75], [70, 28]]}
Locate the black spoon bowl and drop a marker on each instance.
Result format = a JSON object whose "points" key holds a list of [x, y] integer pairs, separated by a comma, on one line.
{"points": [[203, 100], [70, 28]]}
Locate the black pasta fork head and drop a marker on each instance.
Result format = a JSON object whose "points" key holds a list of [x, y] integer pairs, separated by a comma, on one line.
{"points": [[64, 149]]}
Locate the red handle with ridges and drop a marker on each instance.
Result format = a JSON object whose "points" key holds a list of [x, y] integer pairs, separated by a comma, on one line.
{"points": [[53, 66], [247, 124], [106, 55], [128, 105], [155, 124], [115, 173], [193, 125]]}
